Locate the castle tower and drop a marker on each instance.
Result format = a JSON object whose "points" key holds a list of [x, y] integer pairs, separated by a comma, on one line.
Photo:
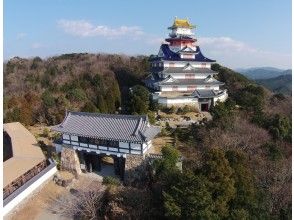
{"points": [[181, 74]]}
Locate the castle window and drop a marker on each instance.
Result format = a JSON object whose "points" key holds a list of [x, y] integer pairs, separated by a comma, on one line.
{"points": [[83, 139], [175, 88]]}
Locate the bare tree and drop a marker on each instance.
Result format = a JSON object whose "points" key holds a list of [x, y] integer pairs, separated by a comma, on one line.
{"points": [[83, 203]]}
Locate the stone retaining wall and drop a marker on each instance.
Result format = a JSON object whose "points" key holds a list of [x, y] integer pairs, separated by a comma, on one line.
{"points": [[70, 161], [136, 170]]}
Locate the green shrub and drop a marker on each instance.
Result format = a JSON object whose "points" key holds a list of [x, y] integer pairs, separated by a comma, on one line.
{"points": [[89, 107], [48, 99], [76, 94], [109, 180], [273, 150], [46, 132]]}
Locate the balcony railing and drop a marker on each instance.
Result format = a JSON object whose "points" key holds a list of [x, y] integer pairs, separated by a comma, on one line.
{"points": [[21, 180]]}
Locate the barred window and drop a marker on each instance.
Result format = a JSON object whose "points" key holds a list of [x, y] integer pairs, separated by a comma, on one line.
{"points": [[83, 139], [113, 144]]}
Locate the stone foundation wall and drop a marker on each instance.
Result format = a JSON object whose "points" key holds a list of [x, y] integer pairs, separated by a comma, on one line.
{"points": [[70, 161], [136, 170]]}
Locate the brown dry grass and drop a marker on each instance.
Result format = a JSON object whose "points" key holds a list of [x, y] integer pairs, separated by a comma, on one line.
{"points": [[34, 205], [40, 202], [158, 143]]}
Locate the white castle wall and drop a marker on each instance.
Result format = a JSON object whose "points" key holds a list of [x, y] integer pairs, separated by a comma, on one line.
{"points": [[185, 88], [184, 31], [182, 64], [184, 75], [177, 101], [221, 98]]}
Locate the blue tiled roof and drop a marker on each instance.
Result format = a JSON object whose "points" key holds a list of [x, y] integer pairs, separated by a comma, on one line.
{"points": [[170, 55]]}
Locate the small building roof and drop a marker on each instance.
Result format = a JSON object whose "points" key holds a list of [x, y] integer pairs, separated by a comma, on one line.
{"points": [[168, 54], [176, 82], [127, 128], [26, 152], [207, 93], [183, 23], [188, 70]]}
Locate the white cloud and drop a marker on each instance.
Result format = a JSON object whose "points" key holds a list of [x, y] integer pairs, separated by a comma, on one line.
{"points": [[225, 44], [154, 40], [226, 50], [86, 29], [234, 53], [21, 36]]}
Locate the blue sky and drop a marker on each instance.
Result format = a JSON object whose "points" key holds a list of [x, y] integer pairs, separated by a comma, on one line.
{"points": [[236, 33]]}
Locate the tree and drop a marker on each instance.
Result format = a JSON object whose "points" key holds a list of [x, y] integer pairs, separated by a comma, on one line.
{"points": [[101, 105], [189, 198], [167, 165], [48, 99], [76, 94], [245, 202], [280, 127], [218, 171], [26, 113], [89, 107], [84, 203], [139, 100]]}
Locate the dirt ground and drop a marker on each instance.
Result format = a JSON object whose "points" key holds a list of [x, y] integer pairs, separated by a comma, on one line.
{"points": [[158, 143], [175, 120], [38, 132], [37, 206]]}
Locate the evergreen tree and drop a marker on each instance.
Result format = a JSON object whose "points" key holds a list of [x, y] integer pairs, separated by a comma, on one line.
{"points": [[218, 171], [139, 100], [89, 107], [245, 201], [101, 105], [189, 198]]}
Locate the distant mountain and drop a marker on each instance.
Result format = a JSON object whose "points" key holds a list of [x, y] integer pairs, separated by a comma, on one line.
{"points": [[263, 72], [280, 84]]}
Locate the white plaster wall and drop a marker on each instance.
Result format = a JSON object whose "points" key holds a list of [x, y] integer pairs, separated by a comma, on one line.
{"points": [[180, 101], [93, 146], [135, 152], [66, 142], [135, 146], [222, 98], [185, 88], [182, 75], [18, 199], [65, 136], [185, 31], [58, 148], [187, 56], [184, 63], [74, 138], [112, 149], [123, 145], [83, 145]]}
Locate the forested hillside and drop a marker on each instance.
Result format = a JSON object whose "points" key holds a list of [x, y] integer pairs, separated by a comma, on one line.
{"points": [[263, 72], [280, 84], [237, 166], [39, 91]]}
